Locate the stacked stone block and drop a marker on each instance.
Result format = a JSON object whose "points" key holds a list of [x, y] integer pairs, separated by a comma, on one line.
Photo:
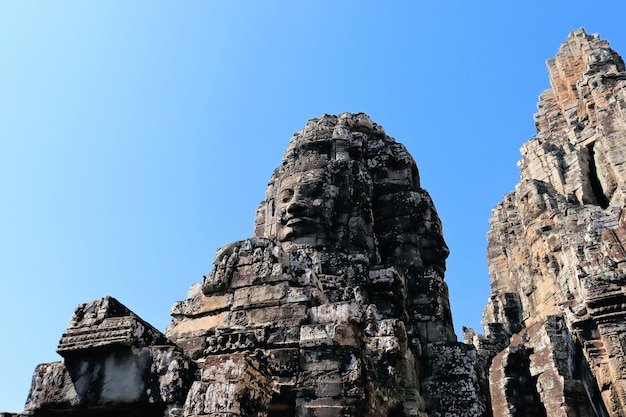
{"points": [[114, 364]]}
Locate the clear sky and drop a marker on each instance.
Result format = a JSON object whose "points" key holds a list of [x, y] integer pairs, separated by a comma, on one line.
{"points": [[138, 137]]}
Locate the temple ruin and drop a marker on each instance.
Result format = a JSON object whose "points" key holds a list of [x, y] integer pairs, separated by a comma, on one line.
{"points": [[337, 304]]}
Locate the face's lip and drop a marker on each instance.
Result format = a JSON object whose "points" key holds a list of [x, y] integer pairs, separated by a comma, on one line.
{"points": [[298, 221]]}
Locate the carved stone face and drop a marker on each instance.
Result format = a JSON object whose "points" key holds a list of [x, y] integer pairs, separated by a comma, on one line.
{"points": [[299, 207]]}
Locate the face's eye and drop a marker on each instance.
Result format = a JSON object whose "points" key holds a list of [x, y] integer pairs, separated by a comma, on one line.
{"points": [[313, 189], [286, 195]]}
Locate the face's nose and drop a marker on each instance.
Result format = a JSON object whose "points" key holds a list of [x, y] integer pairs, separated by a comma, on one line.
{"points": [[297, 204]]}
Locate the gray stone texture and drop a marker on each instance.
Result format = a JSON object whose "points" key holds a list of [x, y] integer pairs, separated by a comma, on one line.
{"points": [[341, 287], [113, 363]]}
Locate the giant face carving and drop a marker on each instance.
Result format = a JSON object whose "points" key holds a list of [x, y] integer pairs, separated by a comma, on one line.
{"points": [[299, 207]]}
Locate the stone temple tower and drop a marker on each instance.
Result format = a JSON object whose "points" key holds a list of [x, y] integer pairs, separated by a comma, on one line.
{"points": [[336, 306], [556, 319], [340, 290]]}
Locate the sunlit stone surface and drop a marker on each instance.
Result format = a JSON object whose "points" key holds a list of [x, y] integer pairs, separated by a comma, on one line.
{"points": [[555, 322]]}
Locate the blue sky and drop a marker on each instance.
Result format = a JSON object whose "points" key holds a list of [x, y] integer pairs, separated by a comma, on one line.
{"points": [[138, 137]]}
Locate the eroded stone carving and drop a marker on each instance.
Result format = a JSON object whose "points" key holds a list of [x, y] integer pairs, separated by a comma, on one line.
{"points": [[341, 287]]}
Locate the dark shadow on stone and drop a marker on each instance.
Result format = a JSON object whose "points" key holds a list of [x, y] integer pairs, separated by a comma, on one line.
{"points": [[283, 404], [596, 186], [521, 389]]}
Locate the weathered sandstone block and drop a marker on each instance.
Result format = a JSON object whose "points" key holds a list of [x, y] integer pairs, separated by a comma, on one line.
{"points": [[114, 363]]}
